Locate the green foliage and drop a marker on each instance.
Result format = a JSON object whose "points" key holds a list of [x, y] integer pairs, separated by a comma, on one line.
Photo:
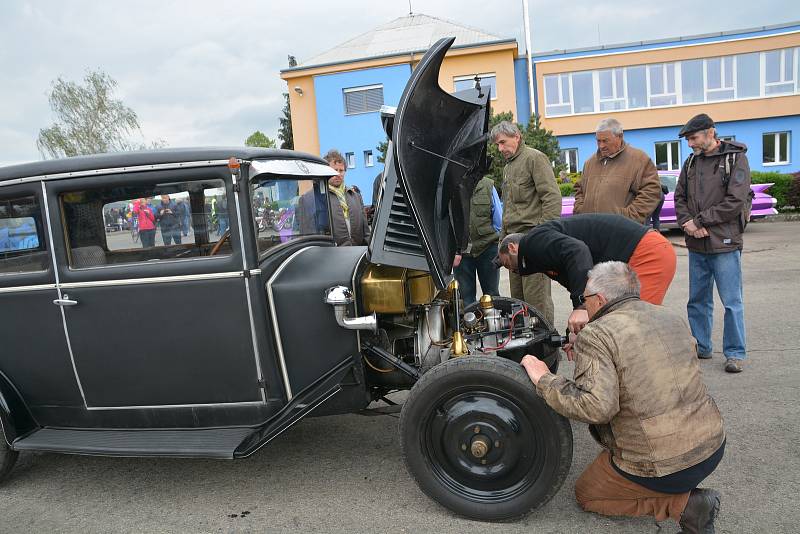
{"points": [[89, 120], [781, 188], [793, 195], [382, 148], [258, 138], [285, 131], [534, 136], [567, 189]]}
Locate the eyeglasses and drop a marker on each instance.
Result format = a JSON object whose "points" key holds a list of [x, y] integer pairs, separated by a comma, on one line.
{"points": [[582, 298]]}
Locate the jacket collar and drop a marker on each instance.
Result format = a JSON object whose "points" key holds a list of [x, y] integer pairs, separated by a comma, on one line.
{"points": [[614, 155], [613, 305]]}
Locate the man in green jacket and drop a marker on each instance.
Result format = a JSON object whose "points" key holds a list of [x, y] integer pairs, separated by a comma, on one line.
{"points": [[638, 385], [530, 197]]}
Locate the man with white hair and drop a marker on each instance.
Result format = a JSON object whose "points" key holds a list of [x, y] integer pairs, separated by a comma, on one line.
{"points": [[530, 197], [638, 385], [618, 178]]}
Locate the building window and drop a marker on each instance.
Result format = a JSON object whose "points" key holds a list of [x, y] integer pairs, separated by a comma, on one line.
{"points": [[569, 157], [727, 138], [776, 148], [661, 84], [558, 95], [779, 70], [637, 86], [488, 80], [363, 99], [668, 156], [368, 161], [692, 81], [612, 89], [719, 78], [582, 92], [748, 74], [350, 159]]}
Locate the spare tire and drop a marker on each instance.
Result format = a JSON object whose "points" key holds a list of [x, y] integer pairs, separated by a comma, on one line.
{"points": [[479, 441]]}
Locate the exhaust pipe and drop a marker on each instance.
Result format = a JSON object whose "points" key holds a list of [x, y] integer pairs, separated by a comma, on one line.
{"points": [[341, 297]]}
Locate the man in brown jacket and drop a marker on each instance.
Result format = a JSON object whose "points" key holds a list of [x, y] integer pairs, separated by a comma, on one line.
{"points": [[530, 197], [618, 178], [638, 385]]}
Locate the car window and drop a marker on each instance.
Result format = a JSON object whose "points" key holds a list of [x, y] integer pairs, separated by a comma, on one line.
{"points": [[22, 244], [160, 221], [288, 208]]}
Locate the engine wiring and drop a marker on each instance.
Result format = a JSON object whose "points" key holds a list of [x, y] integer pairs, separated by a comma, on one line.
{"points": [[524, 312], [376, 369]]}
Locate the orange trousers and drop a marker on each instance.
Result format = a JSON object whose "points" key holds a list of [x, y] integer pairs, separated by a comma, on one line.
{"points": [[601, 489], [654, 261]]}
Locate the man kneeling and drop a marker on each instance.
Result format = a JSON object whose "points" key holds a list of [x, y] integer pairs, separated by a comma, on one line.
{"points": [[638, 385]]}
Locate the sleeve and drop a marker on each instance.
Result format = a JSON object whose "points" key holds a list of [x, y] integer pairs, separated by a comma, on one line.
{"points": [[546, 187], [682, 214], [647, 194], [735, 196], [593, 395], [570, 257], [497, 211]]}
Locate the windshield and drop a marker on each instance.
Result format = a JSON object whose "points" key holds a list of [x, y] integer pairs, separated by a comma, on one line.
{"points": [[286, 208], [670, 180]]}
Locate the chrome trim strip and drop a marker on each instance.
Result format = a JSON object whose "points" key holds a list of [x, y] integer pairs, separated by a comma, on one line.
{"points": [[20, 289], [154, 280], [254, 339], [157, 406], [355, 293], [168, 261], [274, 315], [116, 170], [58, 290]]}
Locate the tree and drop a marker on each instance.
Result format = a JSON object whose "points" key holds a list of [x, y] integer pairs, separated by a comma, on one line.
{"points": [[534, 136], [89, 120], [257, 138], [382, 148], [285, 131]]}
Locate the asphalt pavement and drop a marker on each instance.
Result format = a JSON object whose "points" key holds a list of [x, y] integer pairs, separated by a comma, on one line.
{"points": [[345, 473]]}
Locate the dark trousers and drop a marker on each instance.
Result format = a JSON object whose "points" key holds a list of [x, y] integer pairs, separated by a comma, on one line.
{"points": [[171, 235], [488, 275], [655, 217], [148, 238]]}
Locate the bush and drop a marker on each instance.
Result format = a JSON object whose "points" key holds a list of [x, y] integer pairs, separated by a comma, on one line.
{"points": [[793, 195], [781, 188], [567, 190]]}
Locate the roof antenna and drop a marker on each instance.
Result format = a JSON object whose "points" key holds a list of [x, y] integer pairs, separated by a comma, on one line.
{"points": [[409, 8]]}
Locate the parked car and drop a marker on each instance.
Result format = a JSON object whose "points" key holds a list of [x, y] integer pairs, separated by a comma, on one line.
{"points": [[258, 329], [763, 203]]}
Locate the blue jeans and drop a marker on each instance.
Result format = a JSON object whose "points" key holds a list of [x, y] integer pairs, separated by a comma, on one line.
{"points": [[488, 275], [726, 271]]}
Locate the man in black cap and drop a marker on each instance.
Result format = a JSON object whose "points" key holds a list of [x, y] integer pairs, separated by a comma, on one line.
{"points": [[712, 204]]}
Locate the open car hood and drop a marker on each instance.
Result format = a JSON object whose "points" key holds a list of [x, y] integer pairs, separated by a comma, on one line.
{"points": [[436, 156]]}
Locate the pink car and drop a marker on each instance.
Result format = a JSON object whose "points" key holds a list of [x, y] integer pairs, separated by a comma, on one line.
{"points": [[763, 204]]}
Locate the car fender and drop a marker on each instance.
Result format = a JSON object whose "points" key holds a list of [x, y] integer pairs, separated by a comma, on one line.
{"points": [[15, 417]]}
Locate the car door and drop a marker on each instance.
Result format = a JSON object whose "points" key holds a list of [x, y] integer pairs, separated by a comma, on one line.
{"points": [[157, 311], [34, 357]]}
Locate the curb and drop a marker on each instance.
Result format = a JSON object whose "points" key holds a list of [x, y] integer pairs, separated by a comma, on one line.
{"points": [[780, 217]]}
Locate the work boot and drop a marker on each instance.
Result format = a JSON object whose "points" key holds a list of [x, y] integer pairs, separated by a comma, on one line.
{"points": [[700, 512], [704, 355], [733, 365]]}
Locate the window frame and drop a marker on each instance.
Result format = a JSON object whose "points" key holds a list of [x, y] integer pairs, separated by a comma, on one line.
{"points": [[560, 77], [669, 162], [369, 158], [41, 227], [665, 79], [599, 100], [723, 71], [350, 160], [776, 140], [361, 89], [564, 157]]}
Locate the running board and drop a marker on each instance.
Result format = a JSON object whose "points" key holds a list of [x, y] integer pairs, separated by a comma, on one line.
{"points": [[201, 443]]}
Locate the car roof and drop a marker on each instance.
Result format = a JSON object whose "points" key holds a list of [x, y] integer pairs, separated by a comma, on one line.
{"points": [[116, 160]]}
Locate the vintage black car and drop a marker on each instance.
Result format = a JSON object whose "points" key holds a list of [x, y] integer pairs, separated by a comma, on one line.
{"points": [[197, 329]]}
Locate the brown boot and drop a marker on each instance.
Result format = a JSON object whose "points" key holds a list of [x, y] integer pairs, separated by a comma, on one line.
{"points": [[700, 512]]}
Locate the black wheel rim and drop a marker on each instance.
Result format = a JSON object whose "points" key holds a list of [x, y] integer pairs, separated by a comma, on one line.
{"points": [[482, 445]]}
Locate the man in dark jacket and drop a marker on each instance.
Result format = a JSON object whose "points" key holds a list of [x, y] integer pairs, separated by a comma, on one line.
{"points": [[712, 206], [169, 220], [347, 207], [565, 250], [638, 385]]}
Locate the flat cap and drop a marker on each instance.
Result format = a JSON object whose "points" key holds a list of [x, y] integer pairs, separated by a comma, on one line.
{"points": [[695, 124]]}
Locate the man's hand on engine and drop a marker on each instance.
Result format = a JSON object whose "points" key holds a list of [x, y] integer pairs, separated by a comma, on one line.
{"points": [[535, 367], [577, 320]]}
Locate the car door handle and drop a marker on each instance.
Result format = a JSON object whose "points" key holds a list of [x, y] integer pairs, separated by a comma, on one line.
{"points": [[65, 301]]}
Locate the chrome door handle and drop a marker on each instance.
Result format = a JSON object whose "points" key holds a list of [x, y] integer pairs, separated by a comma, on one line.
{"points": [[65, 301]]}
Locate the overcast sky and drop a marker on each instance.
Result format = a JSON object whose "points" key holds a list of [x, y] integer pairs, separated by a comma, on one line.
{"points": [[206, 72]]}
